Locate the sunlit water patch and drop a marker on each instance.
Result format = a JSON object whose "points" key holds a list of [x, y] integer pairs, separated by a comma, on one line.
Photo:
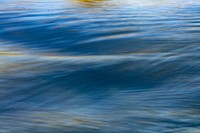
{"points": [[104, 66]]}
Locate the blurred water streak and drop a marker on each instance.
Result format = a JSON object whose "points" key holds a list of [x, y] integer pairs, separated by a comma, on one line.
{"points": [[104, 66]]}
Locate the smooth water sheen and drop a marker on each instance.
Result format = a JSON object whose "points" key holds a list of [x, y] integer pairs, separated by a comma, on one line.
{"points": [[104, 66]]}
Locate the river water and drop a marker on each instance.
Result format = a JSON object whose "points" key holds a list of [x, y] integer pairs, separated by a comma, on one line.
{"points": [[86, 66]]}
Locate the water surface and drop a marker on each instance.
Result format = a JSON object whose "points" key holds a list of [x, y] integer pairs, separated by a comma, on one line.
{"points": [[105, 66]]}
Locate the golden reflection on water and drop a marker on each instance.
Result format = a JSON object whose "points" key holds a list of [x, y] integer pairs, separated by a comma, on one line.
{"points": [[21, 60], [90, 3]]}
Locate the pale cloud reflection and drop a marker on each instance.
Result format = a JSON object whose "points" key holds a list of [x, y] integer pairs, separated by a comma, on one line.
{"points": [[62, 4]]}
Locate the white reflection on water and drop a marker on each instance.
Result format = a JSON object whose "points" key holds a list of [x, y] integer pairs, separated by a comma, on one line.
{"points": [[60, 4]]}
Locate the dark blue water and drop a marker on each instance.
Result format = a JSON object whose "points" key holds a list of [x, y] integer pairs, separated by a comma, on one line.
{"points": [[83, 66]]}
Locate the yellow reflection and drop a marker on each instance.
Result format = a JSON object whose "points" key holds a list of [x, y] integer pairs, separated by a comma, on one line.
{"points": [[90, 2]]}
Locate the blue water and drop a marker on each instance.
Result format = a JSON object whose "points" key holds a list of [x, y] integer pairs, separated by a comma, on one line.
{"points": [[83, 66]]}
